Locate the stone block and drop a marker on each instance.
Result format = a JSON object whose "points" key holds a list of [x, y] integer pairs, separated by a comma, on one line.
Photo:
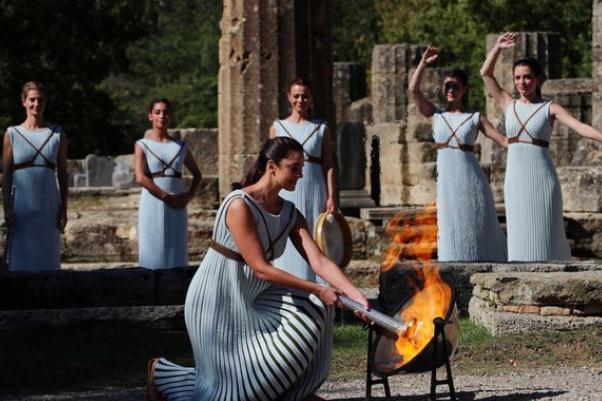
{"points": [[536, 289], [99, 170], [123, 172], [202, 143], [161, 317], [581, 188], [348, 85], [366, 243], [361, 111], [390, 73], [500, 323], [351, 155]]}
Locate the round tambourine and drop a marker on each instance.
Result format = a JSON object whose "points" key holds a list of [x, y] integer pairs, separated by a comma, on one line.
{"points": [[333, 236]]}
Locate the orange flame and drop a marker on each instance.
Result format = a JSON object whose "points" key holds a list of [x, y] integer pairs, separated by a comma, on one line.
{"points": [[414, 237]]}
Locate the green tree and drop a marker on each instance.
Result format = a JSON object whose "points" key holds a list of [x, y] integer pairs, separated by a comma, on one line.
{"points": [[71, 46], [459, 28], [177, 60]]}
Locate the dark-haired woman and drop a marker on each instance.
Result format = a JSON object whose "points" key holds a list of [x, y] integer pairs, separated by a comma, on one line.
{"points": [[532, 190], [315, 193], [255, 329], [35, 207], [468, 229], [162, 219]]}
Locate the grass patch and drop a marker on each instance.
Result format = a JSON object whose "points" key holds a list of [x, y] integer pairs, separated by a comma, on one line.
{"points": [[90, 358]]}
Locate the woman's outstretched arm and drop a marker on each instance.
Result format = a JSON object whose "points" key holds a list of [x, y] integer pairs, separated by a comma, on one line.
{"points": [[587, 131], [241, 224], [501, 97], [490, 132], [425, 107], [321, 265]]}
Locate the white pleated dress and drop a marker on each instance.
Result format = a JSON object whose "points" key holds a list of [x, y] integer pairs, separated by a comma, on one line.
{"points": [[35, 241], [532, 190], [468, 228], [162, 230], [309, 197], [252, 340]]}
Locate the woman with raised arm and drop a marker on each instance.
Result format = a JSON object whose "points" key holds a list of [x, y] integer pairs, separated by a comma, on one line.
{"points": [[255, 329], [532, 190], [34, 187], [162, 219], [466, 218]]}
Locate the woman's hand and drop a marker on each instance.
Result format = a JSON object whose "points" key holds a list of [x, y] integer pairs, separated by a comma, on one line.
{"points": [[62, 220], [177, 201], [328, 295], [430, 55], [506, 40], [358, 297], [331, 205]]}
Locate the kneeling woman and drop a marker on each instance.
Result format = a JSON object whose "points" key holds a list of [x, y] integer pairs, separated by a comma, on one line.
{"points": [[255, 330]]}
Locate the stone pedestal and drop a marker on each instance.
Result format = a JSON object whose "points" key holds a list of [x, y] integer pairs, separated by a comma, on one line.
{"points": [[526, 302], [263, 46]]}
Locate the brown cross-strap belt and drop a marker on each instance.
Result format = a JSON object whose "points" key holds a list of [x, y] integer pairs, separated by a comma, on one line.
{"points": [[31, 163], [227, 252], [308, 157], [166, 165], [459, 145], [523, 128]]}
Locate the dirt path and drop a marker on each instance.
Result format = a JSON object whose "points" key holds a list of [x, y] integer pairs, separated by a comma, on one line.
{"points": [[573, 384]]}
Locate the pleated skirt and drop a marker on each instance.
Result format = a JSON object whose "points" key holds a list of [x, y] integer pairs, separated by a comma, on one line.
{"points": [[533, 199], [468, 228]]}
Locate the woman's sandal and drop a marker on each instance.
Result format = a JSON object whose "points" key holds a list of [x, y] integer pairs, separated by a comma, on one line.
{"points": [[152, 392]]}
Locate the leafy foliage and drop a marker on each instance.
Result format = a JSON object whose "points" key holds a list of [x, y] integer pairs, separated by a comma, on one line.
{"points": [[177, 60], [459, 28], [71, 46]]}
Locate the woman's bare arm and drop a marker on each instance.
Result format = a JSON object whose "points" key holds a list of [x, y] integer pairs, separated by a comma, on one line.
{"points": [[328, 168], [486, 128], [425, 107], [321, 265], [587, 131], [501, 97], [241, 224]]}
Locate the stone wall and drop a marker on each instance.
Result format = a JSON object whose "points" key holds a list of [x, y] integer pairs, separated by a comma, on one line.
{"points": [[510, 302]]}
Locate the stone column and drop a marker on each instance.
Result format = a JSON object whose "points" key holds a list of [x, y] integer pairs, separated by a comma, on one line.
{"points": [[597, 64], [265, 44], [391, 141], [349, 85]]}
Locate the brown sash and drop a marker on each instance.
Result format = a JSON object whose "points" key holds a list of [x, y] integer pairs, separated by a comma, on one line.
{"points": [[523, 127], [227, 252], [460, 145], [31, 163], [308, 157], [166, 165]]}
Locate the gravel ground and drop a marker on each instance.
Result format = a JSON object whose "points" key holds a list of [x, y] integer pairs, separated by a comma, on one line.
{"points": [[571, 384]]}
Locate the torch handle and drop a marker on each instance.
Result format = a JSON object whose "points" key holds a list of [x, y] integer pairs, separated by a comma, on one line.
{"points": [[380, 319]]}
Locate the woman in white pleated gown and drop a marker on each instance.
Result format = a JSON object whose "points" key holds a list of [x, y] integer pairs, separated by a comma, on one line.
{"points": [[468, 228], [35, 187], [162, 218], [532, 190], [255, 329], [314, 194]]}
